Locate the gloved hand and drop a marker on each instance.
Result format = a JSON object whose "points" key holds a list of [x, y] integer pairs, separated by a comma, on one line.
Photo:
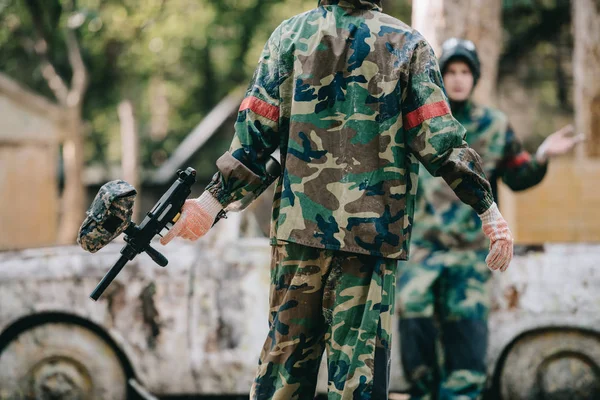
{"points": [[197, 216], [501, 240], [558, 143]]}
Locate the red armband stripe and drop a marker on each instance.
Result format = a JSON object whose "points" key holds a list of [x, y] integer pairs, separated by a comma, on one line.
{"points": [[520, 159], [260, 107], [424, 113]]}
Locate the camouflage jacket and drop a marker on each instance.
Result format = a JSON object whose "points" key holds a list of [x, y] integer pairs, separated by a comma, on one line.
{"points": [[443, 220], [354, 100]]}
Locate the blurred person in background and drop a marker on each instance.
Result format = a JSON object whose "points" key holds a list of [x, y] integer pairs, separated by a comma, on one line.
{"points": [[353, 99], [443, 291]]}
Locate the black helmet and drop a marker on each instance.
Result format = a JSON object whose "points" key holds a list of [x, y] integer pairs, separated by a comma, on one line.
{"points": [[465, 50]]}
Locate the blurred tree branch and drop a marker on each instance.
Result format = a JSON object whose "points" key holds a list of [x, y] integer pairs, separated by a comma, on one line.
{"points": [[79, 80], [73, 198]]}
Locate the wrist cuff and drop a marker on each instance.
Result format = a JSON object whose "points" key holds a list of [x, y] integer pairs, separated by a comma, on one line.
{"points": [[209, 204], [492, 214]]}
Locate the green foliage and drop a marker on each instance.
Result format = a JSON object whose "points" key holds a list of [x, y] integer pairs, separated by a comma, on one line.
{"points": [[176, 59], [538, 52], [173, 59]]}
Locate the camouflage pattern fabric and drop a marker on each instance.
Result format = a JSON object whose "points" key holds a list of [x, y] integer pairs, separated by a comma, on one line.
{"points": [[443, 220], [445, 286], [108, 215], [450, 285], [444, 304], [327, 300], [354, 100]]}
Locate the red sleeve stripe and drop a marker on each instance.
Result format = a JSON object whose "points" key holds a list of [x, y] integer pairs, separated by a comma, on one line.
{"points": [[260, 107], [520, 159], [421, 114]]}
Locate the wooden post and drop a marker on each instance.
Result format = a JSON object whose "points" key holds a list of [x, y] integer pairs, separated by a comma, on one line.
{"points": [[586, 61], [130, 150]]}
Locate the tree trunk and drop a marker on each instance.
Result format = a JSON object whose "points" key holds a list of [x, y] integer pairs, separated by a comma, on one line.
{"points": [[586, 26], [130, 150], [74, 196], [477, 20], [159, 109]]}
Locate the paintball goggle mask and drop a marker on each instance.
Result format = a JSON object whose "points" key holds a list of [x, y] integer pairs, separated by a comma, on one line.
{"points": [[108, 216], [464, 50]]}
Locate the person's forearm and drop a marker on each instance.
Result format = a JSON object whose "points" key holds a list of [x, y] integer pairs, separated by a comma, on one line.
{"points": [[462, 170]]}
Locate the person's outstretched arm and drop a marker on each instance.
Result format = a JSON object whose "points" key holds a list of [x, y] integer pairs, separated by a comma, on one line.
{"points": [[437, 140], [520, 170]]}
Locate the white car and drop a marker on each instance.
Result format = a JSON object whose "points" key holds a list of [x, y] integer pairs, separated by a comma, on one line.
{"points": [[196, 326]]}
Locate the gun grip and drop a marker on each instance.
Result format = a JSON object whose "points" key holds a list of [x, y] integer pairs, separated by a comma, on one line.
{"points": [[156, 256]]}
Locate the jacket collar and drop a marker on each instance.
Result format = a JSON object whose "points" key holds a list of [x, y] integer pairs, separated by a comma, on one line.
{"points": [[462, 110], [358, 4]]}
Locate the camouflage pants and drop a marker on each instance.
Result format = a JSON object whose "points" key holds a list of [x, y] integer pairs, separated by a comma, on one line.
{"points": [[443, 306], [327, 300]]}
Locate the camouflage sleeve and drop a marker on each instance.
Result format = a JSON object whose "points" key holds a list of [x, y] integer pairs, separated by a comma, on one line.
{"points": [[518, 169], [435, 137], [241, 170]]}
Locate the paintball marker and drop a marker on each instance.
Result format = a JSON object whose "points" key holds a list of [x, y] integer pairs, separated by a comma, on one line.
{"points": [[110, 215], [111, 211]]}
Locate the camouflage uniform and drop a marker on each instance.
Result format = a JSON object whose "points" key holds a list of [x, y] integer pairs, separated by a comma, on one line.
{"points": [[445, 285], [354, 100]]}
